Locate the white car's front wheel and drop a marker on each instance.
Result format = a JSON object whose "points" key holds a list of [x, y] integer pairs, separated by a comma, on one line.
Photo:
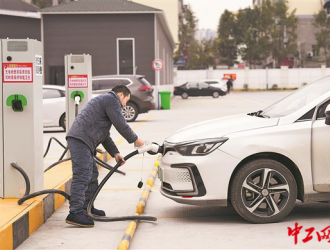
{"points": [[263, 191]]}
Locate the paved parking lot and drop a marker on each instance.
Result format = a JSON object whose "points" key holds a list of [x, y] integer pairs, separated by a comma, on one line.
{"points": [[178, 226]]}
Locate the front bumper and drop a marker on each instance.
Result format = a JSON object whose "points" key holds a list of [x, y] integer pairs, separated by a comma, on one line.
{"points": [[197, 180]]}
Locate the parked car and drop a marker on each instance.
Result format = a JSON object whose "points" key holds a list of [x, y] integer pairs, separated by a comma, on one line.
{"points": [[217, 83], [53, 106], [141, 100], [198, 88], [260, 162]]}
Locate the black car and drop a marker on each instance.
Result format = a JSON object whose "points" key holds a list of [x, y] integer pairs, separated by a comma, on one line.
{"points": [[141, 100], [198, 89]]}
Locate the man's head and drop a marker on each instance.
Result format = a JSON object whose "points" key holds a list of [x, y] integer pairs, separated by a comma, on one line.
{"points": [[123, 93]]}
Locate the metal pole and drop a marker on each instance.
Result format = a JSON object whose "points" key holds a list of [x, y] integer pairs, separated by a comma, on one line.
{"points": [[158, 84]]}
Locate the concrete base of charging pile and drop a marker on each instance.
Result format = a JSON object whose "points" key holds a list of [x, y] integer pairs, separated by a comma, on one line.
{"points": [[18, 222]]}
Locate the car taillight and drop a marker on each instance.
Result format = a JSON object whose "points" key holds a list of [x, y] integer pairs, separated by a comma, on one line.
{"points": [[175, 88], [145, 87]]}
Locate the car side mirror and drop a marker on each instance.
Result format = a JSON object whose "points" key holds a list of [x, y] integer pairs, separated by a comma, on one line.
{"points": [[327, 115]]}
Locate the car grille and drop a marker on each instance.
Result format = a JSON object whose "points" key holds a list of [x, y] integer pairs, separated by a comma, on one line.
{"points": [[183, 177]]}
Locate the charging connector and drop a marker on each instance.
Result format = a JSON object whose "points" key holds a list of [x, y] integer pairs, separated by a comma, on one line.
{"points": [[149, 147], [77, 99]]}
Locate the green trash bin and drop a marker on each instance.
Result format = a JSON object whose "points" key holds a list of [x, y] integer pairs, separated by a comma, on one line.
{"points": [[165, 97]]}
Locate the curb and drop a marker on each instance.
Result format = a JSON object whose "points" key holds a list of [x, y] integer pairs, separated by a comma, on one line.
{"points": [[27, 218], [124, 244], [144, 197]]}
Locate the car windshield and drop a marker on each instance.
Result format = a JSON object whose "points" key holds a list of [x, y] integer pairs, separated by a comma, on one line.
{"points": [[298, 99]]}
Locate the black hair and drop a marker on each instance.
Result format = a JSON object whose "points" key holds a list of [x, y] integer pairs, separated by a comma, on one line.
{"points": [[122, 89]]}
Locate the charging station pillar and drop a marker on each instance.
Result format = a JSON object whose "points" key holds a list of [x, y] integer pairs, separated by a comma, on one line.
{"points": [[78, 82], [21, 114]]}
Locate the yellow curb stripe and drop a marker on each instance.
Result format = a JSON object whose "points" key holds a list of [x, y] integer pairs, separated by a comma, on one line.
{"points": [[124, 244], [58, 198], [6, 238], [143, 200], [152, 176], [36, 217]]}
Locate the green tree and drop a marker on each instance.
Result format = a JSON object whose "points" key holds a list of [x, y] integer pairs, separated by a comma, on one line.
{"points": [[186, 37], [201, 54], [249, 33], [226, 44], [282, 31], [322, 35]]}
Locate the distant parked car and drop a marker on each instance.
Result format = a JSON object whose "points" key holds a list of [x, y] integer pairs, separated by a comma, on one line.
{"points": [[53, 106], [199, 88], [141, 100]]}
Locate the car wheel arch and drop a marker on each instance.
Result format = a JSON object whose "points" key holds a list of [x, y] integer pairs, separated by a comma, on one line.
{"points": [[138, 107], [287, 162], [62, 121]]}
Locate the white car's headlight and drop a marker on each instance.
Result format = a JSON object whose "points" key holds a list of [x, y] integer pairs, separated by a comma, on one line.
{"points": [[199, 147]]}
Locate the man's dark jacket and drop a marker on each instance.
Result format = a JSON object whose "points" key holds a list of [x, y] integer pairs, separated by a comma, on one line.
{"points": [[93, 123]]}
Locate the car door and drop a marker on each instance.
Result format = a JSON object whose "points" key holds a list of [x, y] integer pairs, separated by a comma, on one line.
{"points": [[53, 106], [321, 151], [204, 89], [192, 89]]}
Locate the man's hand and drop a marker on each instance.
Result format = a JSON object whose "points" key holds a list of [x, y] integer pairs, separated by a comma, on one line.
{"points": [[138, 143], [119, 158]]}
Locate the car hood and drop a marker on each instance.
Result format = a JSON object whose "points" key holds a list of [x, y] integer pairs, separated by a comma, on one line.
{"points": [[221, 127]]}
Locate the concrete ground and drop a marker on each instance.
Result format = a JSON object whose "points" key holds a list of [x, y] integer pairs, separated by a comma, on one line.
{"points": [[179, 226]]}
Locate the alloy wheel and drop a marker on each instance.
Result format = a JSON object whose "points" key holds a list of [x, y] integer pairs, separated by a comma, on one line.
{"points": [[265, 192]]}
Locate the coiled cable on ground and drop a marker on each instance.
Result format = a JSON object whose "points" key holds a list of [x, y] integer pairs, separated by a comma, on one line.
{"points": [[110, 219], [91, 202]]}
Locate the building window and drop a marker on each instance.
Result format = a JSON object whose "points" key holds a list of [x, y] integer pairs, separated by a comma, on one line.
{"points": [[125, 56]]}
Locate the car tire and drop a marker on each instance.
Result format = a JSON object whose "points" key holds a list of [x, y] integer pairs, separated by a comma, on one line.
{"points": [[263, 191], [63, 121], [130, 112], [184, 95], [215, 94]]}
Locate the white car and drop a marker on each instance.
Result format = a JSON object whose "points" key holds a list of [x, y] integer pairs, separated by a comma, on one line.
{"points": [[217, 83], [260, 162], [53, 106]]}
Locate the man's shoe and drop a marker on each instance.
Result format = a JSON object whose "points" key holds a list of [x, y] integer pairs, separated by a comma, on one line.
{"points": [[96, 211], [79, 219]]}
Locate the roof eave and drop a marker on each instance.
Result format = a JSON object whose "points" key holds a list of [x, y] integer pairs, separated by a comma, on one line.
{"points": [[26, 14], [100, 12]]}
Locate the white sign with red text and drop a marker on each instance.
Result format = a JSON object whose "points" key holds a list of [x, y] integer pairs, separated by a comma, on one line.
{"points": [[78, 81], [17, 72]]}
